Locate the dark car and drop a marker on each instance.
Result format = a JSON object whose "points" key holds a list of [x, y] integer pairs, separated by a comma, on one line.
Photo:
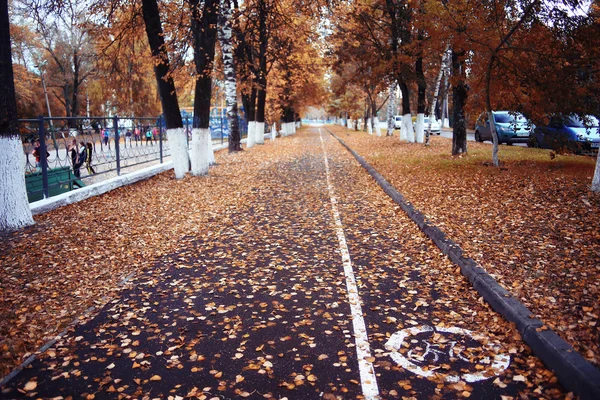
{"points": [[511, 127], [570, 133]]}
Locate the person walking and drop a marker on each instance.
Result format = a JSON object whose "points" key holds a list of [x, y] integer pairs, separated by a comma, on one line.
{"points": [[128, 138], [148, 135], [88, 158], [136, 134], [37, 154], [105, 135], [73, 154]]}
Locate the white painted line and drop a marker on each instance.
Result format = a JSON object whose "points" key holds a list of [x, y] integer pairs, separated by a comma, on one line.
{"points": [[368, 380]]}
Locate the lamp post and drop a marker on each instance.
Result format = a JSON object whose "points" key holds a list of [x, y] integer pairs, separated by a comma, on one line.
{"points": [[42, 73]]}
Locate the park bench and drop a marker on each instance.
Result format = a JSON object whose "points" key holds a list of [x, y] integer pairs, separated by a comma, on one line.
{"points": [[60, 180]]}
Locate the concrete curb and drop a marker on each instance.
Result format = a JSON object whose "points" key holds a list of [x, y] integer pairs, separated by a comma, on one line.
{"points": [[574, 372]]}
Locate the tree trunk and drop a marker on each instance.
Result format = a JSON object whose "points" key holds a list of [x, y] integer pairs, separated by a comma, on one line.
{"points": [[459, 100], [391, 120], [74, 102], [406, 130], [260, 114], [596, 179], [204, 33], [225, 33], [166, 89], [14, 206], [436, 93], [374, 119], [261, 79], [421, 88], [249, 103]]}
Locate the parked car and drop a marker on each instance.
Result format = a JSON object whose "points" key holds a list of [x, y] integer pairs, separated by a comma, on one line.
{"points": [[397, 121], [435, 126], [572, 133], [511, 127]]}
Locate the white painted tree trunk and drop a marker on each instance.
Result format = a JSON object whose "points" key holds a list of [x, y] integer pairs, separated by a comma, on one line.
{"points": [[420, 129], [406, 129], [376, 129], [179, 151], [200, 152], [251, 134], [596, 179], [273, 132], [14, 206], [390, 109], [369, 126], [260, 133], [209, 147]]}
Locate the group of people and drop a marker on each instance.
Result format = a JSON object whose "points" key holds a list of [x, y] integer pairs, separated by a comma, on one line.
{"points": [[151, 134], [79, 156]]}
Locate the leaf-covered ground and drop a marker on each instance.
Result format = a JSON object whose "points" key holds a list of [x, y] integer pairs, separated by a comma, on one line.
{"points": [[239, 291], [532, 224]]}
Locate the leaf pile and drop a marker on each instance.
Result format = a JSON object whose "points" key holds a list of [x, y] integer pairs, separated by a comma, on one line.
{"points": [[532, 224]]}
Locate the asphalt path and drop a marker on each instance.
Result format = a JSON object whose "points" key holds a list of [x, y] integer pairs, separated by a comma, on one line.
{"points": [[316, 287]]}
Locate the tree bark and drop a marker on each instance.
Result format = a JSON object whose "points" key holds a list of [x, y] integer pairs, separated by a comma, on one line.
{"points": [[459, 99], [596, 180], [224, 34], [421, 88], [406, 131], [14, 206], [204, 33], [261, 79], [166, 89], [166, 86], [391, 108], [436, 93]]}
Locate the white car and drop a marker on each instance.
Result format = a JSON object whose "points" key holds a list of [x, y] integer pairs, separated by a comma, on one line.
{"points": [[397, 121], [435, 126]]}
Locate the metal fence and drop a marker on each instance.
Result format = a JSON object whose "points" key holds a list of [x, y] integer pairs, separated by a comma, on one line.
{"points": [[67, 153]]}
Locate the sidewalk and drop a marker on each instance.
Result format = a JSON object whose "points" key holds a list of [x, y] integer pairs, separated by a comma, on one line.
{"points": [[245, 285]]}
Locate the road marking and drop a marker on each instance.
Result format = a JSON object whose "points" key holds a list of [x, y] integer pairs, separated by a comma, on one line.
{"points": [[447, 349], [368, 380]]}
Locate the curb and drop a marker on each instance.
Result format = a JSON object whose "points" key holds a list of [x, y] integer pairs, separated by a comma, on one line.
{"points": [[574, 372]]}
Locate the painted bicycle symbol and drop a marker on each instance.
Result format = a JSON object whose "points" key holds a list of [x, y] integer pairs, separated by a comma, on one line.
{"points": [[424, 350]]}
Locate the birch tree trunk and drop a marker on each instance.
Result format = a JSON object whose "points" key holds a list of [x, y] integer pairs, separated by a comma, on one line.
{"points": [[436, 93], [390, 109], [14, 206], [225, 33], [166, 89]]}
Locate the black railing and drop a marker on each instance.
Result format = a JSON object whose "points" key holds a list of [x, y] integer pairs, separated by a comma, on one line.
{"points": [[74, 152]]}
